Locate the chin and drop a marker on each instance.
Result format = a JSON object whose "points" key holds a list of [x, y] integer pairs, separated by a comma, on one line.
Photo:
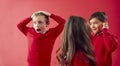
{"points": [[37, 31], [94, 32]]}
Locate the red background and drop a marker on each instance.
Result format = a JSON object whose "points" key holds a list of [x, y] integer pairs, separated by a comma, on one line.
{"points": [[13, 44]]}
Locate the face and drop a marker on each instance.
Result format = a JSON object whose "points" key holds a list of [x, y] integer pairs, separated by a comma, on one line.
{"points": [[95, 25], [39, 24]]}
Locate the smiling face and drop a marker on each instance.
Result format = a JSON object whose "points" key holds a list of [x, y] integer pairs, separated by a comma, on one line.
{"points": [[95, 25], [39, 24], [96, 21]]}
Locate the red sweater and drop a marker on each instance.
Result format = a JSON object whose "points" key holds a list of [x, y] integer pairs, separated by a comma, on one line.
{"points": [[40, 45], [80, 59], [104, 44]]}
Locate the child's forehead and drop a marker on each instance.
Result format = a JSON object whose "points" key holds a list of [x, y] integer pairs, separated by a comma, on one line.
{"points": [[94, 20]]}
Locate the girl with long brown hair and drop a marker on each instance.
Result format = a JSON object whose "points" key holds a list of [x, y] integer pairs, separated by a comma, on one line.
{"points": [[76, 49]]}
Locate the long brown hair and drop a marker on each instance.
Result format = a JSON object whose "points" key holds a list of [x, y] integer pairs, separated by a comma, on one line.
{"points": [[76, 36]]}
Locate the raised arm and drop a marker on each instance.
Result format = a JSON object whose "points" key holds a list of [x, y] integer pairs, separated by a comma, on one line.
{"points": [[60, 22], [22, 25], [110, 41], [58, 19]]}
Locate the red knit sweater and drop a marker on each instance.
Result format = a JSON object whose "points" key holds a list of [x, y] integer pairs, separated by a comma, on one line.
{"points": [[40, 45], [80, 59], [104, 44]]}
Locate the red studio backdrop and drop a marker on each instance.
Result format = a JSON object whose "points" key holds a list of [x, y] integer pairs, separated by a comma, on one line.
{"points": [[13, 44]]}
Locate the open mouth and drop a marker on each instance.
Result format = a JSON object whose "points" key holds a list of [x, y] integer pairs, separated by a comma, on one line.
{"points": [[38, 29]]}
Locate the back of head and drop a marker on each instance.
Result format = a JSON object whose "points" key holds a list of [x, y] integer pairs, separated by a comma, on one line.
{"points": [[100, 16], [76, 36], [78, 30]]}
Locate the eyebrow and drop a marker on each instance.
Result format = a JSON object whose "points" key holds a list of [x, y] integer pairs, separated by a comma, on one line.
{"points": [[37, 21]]}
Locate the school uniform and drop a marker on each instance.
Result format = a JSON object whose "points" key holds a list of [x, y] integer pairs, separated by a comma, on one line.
{"points": [[40, 45], [104, 44]]}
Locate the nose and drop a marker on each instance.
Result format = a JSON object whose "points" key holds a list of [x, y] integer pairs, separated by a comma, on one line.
{"points": [[37, 25]]}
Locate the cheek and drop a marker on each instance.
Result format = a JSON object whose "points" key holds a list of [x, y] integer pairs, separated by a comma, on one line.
{"points": [[43, 26], [99, 28], [91, 26], [96, 26], [34, 25], [99, 25]]}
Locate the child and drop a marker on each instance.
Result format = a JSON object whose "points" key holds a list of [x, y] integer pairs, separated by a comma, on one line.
{"points": [[103, 42], [76, 47], [40, 39]]}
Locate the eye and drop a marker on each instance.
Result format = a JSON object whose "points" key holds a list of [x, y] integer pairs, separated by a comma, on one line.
{"points": [[39, 22], [34, 22], [95, 22]]}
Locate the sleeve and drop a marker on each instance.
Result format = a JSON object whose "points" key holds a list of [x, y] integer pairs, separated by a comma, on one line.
{"points": [[22, 25], [60, 22], [110, 41]]}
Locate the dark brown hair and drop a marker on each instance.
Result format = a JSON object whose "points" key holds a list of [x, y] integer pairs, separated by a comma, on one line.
{"points": [[100, 16], [76, 36]]}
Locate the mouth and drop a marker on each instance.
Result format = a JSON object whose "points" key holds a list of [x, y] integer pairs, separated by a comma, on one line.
{"points": [[93, 29], [38, 29]]}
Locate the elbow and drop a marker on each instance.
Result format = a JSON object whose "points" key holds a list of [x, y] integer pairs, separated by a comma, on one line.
{"points": [[18, 26]]}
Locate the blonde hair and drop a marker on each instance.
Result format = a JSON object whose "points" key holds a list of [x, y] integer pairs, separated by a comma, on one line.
{"points": [[41, 14]]}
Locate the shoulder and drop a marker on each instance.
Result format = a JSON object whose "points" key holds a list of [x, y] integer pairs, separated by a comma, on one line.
{"points": [[80, 59], [52, 29], [81, 56]]}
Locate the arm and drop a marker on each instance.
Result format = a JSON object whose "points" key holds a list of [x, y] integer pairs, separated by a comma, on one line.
{"points": [[110, 41], [22, 25], [60, 22]]}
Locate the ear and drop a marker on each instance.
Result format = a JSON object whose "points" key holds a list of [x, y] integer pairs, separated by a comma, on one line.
{"points": [[47, 25]]}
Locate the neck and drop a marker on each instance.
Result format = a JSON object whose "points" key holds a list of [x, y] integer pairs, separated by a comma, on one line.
{"points": [[94, 34]]}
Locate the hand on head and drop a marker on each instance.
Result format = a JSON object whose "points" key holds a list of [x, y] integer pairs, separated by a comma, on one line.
{"points": [[46, 13], [105, 25]]}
